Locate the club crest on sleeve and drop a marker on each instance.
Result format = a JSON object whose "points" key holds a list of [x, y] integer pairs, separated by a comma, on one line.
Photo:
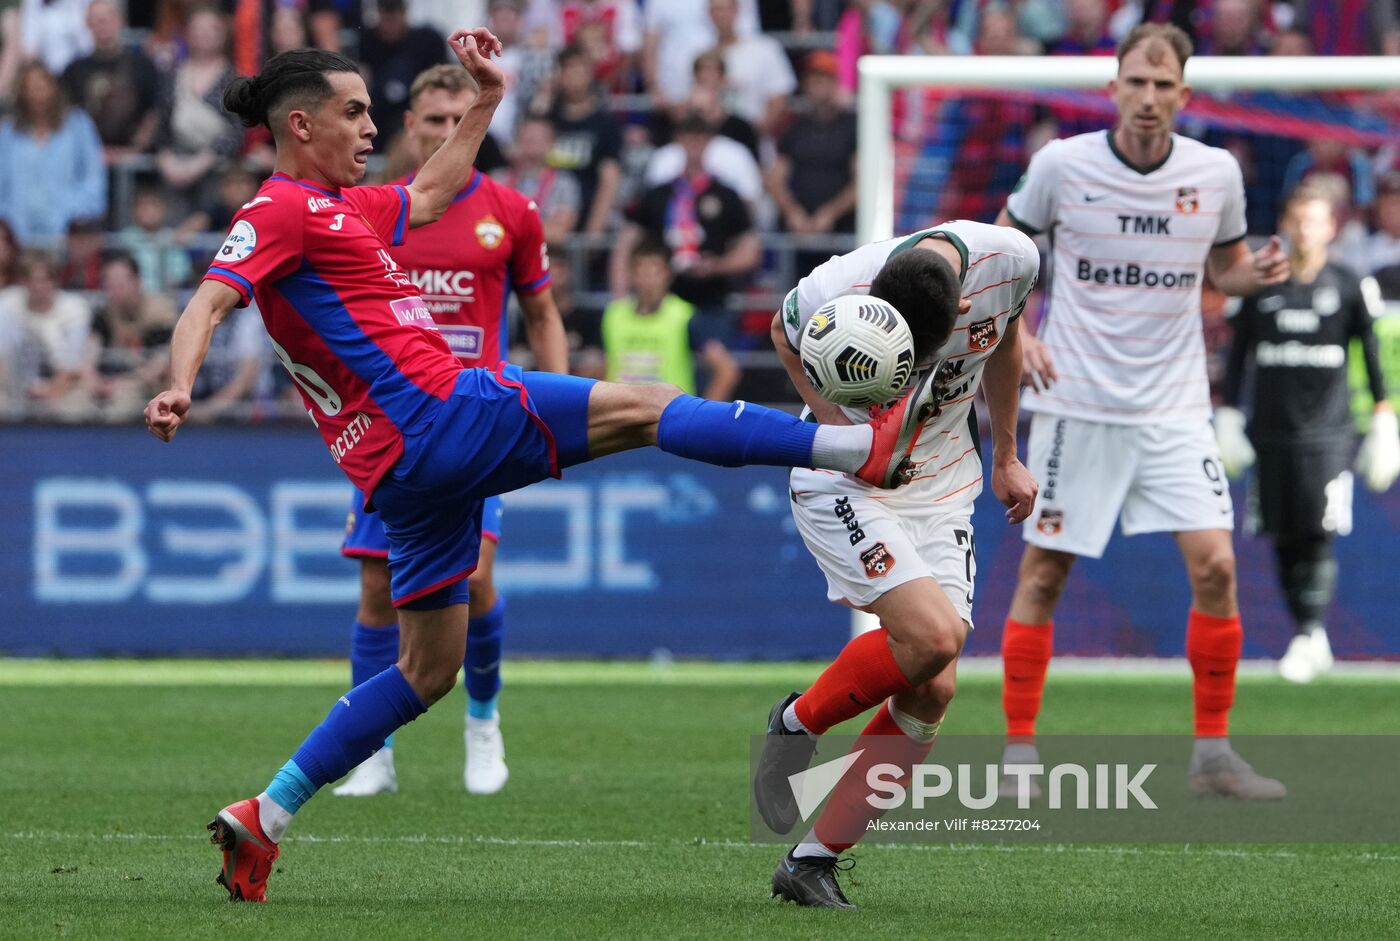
{"points": [[239, 243], [1050, 522], [489, 232], [878, 561], [1187, 199], [982, 335]]}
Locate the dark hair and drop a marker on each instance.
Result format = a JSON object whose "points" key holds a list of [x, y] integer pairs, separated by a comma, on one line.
{"points": [[1151, 33], [652, 248], [925, 289], [9, 273], [572, 53], [25, 118], [298, 74], [123, 258]]}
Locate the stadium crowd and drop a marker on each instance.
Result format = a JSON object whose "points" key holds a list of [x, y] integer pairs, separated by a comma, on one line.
{"points": [[722, 128]]}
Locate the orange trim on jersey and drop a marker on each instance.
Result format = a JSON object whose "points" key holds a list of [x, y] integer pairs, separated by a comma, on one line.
{"points": [[1131, 385], [1115, 359], [999, 313], [1127, 409], [984, 258], [1158, 185], [1137, 313], [1193, 325], [1118, 210], [990, 286], [956, 459]]}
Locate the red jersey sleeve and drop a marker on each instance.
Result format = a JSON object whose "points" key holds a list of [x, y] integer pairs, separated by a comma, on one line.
{"points": [[529, 258], [384, 207], [263, 244]]}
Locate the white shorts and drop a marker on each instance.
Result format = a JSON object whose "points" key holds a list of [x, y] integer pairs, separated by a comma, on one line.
{"points": [[865, 548], [1157, 478]]}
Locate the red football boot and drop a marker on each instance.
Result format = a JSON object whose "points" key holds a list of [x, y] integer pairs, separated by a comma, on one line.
{"points": [[248, 853], [897, 431]]}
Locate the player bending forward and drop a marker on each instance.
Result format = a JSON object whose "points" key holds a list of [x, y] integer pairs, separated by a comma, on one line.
{"points": [[906, 557], [490, 241], [1300, 493], [425, 439], [1121, 422]]}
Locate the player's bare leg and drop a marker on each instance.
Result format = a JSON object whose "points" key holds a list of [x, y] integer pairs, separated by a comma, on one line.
{"points": [[1026, 644], [376, 774], [485, 771], [1213, 641]]}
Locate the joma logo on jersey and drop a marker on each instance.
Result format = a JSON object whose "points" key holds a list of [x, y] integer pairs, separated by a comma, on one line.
{"points": [[846, 514], [317, 203], [1145, 225], [1135, 276], [445, 283]]}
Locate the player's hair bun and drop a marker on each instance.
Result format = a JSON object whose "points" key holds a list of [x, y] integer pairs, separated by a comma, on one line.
{"points": [[243, 98]]}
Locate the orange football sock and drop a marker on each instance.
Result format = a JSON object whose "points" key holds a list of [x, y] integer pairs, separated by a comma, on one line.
{"points": [[847, 815], [863, 674], [1213, 649], [1025, 656]]}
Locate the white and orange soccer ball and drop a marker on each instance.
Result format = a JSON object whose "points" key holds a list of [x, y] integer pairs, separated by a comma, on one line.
{"points": [[857, 350]]}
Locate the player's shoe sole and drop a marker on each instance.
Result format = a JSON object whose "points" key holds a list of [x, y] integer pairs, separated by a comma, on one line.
{"points": [[248, 853], [811, 881], [785, 753], [896, 431]]}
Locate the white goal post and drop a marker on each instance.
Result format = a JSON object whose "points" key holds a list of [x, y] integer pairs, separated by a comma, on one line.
{"points": [[880, 76]]}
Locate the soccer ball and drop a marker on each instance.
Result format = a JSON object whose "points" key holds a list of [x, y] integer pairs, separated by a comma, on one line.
{"points": [[857, 350]]}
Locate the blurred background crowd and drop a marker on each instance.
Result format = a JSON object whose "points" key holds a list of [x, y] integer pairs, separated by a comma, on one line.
{"points": [[722, 128]]}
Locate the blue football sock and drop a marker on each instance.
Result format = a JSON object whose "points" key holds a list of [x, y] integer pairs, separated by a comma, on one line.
{"points": [[734, 433], [482, 666], [372, 651], [347, 736]]}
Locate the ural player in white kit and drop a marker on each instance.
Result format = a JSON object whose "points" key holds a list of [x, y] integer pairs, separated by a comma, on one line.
{"points": [[907, 555], [1120, 400]]}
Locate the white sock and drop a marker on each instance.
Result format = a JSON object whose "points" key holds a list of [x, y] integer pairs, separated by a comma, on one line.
{"points": [[843, 448], [272, 817], [917, 729], [790, 720], [1210, 747], [474, 723], [812, 846]]}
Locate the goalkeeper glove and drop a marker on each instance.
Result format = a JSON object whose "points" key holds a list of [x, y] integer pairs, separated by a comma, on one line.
{"points": [[1378, 461], [1236, 453]]}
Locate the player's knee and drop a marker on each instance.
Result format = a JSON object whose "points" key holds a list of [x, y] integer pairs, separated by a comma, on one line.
{"points": [[935, 643], [482, 590], [1213, 573], [933, 696], [376, 603]]}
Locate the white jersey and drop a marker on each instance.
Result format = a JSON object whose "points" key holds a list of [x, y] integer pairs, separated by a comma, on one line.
{"points": [[999, 268], [1127, 263]]}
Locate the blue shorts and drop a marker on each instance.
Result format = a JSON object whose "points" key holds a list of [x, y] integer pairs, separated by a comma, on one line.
{"points": [[365, 537], [497, 432]]}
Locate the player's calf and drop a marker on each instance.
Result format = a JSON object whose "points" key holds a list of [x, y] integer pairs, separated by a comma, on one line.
{"points": [[1210, 566]]}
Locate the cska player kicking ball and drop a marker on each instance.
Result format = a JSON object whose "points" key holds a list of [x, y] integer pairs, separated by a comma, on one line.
{"points": [[906, 557], [489, 242], [425, 439]]}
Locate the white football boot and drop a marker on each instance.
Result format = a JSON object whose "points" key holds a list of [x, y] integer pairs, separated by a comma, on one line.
{"points": [[375, 775], [486, 756]]}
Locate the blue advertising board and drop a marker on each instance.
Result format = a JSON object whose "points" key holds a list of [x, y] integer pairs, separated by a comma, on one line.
{"points": [[226, 542]]}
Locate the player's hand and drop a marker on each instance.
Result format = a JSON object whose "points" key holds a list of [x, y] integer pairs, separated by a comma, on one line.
{"points": [[1014, 486], [1037, 366], [474, 49], [1236, 453], [1270, 263], [1378, 461], [166, 413]]}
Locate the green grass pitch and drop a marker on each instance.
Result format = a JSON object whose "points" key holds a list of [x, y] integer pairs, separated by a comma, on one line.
{"points": [[625, 816]]}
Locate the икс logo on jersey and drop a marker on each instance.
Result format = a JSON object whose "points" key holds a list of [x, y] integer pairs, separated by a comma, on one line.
{"points": [[445, 291]]}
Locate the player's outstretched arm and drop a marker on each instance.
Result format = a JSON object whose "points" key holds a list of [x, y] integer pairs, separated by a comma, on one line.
{"points": [[447, 171], [213, 302], [826, 412], [1237, 271], [1001, 384]]}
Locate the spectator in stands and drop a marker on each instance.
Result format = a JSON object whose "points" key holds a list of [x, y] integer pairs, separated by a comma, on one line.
{"points": [[1235, 29], [395, 52], [812, 179], [117, 85], [238, 184], [9, 257], [1292, 42], [46, 338], [1326, 155], [236, 376], [555, 191], [54, 32], [651, 335], [706, 224], [1086, 30], [676, 32], [1350, 27], [1383, 246], [712, 96], [587, 139], [527, 62], [581, 326], [196, 133], [167, 44], [154, 244], [868, 27], [729, 161], [50, 161], [130, 340], [328, 20], [610, 30], [82, 256], [756, 67], [287, 31]]}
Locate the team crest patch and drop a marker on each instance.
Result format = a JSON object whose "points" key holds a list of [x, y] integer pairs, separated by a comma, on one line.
{"points": [[1050, 522], [1187, 200], [982, 335], [489, 232], [878, 561]]}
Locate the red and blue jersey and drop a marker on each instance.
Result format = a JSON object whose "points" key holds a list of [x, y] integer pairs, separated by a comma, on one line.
{"points": [[488, 243], [345, 319]]}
